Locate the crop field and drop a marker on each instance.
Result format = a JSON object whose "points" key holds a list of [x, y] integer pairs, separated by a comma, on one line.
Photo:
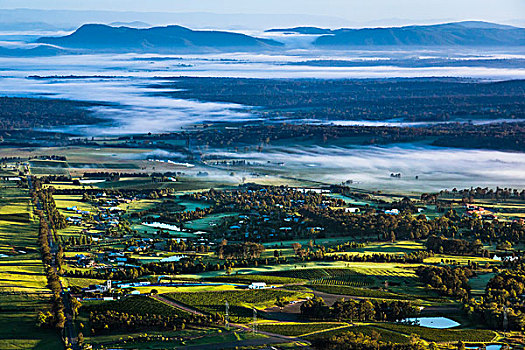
{"points": [[257, 278], [359, 292], [170, 340], [442, 335], [356, 276], [137, 305], [298, 329], [17, 227], [297, 270], [49, 167], [24, 274], [241, 302], [79, 281], [20, 265], [23, 291]]}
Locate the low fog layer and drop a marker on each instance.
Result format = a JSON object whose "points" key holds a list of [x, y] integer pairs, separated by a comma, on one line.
{"points": [[436, 168], [134, 109]]}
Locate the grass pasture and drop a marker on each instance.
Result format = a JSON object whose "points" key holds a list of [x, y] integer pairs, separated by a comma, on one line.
{"points": [[479, 283]]}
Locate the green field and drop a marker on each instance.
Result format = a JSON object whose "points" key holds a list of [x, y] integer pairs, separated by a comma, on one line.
{"points": [[359, 292], [355, 274], [153, 340], [241, 302], [23, 291], [384, 334], [299, 329], [247, 279], [137, 305], [18, 328]]}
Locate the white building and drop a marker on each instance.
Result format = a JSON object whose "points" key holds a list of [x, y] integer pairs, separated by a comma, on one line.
{"points": [[257, 285]]}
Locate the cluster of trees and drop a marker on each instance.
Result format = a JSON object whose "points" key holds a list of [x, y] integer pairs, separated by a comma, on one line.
{"points": [[80, 240], [19, 113], [507, 136], [443, 245], [450, 281], [485, 193], [336, 99], [411, 258], [247, 250], [263, 198], [55, 317], [503, 305], [55, 219], [49, 157], [357, 310], [509, 284], [179, 245], [493, 231], [376, 224], [179, 217]]}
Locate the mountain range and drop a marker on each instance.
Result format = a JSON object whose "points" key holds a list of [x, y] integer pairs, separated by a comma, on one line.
{"points": [[469, 33], [174, 38], [102, 37]]}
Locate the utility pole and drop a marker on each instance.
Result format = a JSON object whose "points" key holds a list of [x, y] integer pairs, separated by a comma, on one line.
{"points": [[227, 315], [254, 325]]}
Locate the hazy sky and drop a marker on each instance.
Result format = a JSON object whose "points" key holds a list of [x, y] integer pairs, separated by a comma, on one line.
{"points": [[353, 10]]}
